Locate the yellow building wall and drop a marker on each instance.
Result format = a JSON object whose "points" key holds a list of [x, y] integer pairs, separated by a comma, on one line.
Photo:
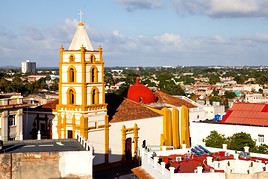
{"points": [[82, 87], [185, 132], [175, 127]]}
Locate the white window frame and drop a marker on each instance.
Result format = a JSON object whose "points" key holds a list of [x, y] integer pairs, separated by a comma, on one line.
{"points": [[260, 138]]}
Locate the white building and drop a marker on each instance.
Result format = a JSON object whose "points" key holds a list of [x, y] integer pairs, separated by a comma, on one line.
{"points": [[28, 67], [11, 120], [242, 117], [255, 98]]}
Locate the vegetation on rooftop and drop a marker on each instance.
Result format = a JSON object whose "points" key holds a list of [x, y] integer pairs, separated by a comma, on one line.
{"points": [[235, 142]]}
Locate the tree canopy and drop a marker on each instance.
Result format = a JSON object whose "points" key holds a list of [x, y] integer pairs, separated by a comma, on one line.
{"points": [[239, 140], [215, 140], [171, 88], [229, 94], [236, 142]]}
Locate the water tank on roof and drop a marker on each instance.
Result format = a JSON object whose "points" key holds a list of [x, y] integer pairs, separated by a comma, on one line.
{"points": [[217, 117]]}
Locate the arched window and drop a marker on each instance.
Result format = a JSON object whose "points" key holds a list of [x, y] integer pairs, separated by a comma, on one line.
{"points": [[92, 58], [94, 75], [71, 73], [94, 96], [71, 96]]}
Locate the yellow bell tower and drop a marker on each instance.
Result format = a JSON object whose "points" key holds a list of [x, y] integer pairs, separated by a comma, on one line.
{"points": [[81, 88]]}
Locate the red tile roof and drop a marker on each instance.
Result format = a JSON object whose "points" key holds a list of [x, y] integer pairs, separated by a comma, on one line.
{"points": [[247, 114], [130, 110], [190, 163], [166, 98], [51, 104]]}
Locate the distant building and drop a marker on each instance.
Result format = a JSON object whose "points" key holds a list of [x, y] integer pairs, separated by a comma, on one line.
{"points": [[255, 98], [117, 71], [39, 119], [11, 123], [265, 92], [187, 74], [33, 78], [28, 67]]}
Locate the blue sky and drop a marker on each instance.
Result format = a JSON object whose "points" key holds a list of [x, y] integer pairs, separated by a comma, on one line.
{"points": [[139, 32]]}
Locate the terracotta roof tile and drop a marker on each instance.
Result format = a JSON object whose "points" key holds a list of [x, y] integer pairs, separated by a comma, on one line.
{"points": [[247, 114], [50, 105], [166, 98], [141, 173], [130, 110]]}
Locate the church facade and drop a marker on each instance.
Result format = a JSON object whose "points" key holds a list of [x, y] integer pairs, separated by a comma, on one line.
{"points": [[140, 118], [81, 88]]}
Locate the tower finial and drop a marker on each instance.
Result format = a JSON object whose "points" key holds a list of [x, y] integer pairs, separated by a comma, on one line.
{"points": [[81, 16]]}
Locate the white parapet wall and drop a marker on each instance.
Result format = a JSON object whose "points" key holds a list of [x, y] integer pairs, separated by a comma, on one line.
{"points": [[232, 167], [76, 163]]}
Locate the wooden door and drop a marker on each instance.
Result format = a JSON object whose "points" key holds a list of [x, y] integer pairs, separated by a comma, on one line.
{"points": [[128, 148], [70, 134]]}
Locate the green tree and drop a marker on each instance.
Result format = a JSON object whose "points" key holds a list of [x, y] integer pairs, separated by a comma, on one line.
{"points": [[215, 99], [4, 85], [215, 92], [171, 88], [122, 91], [215, 140], [239, 79], [213, 79], [239, 140], [263, 149], [54, 86], [187, 80], [149, 83], [229, 94], [263, 79]]}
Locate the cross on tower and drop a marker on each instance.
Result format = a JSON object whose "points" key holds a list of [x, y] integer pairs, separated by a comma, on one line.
{"points": [[81, 16]]}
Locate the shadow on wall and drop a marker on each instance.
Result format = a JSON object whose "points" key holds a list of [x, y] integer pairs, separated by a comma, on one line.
{"points": [[115, 169], [113, 102], [34, 120]]}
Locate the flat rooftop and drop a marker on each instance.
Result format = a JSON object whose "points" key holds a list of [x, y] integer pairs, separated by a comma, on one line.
{"points": [[41, 146]]}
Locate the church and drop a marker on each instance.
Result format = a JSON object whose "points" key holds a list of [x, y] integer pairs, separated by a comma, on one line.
{"points": [[115, 127]]}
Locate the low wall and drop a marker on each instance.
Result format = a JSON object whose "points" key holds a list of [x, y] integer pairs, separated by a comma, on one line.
{"points": [[74, 164]]}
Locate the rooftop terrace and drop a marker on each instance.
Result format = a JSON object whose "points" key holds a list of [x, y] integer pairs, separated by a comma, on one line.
{"points": [[201, 162], [41, 146]]}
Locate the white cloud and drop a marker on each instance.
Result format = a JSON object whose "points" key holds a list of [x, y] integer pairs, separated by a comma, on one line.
{"points": [[223, 8], [141, 4], [233, 7], [262, 37], [170, 39], [42, 45]]}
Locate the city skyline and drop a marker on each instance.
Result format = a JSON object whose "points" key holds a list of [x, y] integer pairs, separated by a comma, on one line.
{"points": [[139, 33]]}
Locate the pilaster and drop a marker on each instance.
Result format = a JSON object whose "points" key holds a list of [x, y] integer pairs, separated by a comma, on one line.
{"points": [[123, 130], [4, 126], [135, 137], [19, 125], [106, 129]]}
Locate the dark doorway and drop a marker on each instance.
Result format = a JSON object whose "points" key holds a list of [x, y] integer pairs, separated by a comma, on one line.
{"points": [[128, 149], [70, 134]]}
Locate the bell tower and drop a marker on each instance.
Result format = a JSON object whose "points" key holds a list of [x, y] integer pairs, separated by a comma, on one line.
{"points": [[81, 88]]}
